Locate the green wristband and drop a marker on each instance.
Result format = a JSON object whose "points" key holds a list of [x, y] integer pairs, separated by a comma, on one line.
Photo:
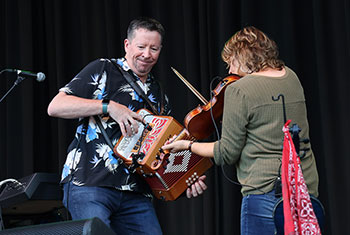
{"points": [[105, 103]]}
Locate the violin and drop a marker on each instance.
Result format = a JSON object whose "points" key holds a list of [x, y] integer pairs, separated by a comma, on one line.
{"points": [[199, 121]]}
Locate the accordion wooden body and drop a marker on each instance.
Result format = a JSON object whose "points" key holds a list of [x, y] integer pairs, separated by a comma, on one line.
{"points": [[169, 174], [176, 174]]}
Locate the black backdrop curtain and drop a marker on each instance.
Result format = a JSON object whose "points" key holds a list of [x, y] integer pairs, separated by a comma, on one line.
{"points": [[59, 37]]}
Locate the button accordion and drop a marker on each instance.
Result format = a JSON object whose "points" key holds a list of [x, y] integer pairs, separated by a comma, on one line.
{"points": [[167, 174]]}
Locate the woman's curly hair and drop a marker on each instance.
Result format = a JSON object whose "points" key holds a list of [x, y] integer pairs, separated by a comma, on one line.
{"points": [[253, 50]]}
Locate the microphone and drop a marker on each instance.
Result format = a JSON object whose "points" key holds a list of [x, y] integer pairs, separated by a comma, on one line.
{"points": [[39, 76]]}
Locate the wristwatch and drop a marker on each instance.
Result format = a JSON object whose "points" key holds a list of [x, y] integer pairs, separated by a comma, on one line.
{"points": [[105, 103]]}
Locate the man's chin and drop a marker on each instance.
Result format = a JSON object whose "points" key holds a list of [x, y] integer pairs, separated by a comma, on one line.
{"points": [[144, 70]]}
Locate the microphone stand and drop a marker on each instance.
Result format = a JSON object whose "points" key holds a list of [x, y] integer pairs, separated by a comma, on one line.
{"points": [[18, 80]]}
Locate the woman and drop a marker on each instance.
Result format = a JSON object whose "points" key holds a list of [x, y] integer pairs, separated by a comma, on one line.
{"points": [[252, 124]]}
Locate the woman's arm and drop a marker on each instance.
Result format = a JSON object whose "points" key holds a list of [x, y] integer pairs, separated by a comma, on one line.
{"points": [[204, 149]]}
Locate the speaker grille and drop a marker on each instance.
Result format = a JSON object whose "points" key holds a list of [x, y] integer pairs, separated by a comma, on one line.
{"points": [[92, 226]]}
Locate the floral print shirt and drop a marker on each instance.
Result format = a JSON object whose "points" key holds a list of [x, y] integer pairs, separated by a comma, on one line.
{"points": [[90, 161]]}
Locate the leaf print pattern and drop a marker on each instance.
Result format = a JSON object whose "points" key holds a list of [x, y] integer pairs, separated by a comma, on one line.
{"points": [[105, 153], [69, 166], [144, 86], [99, 93], [131, 107], [128, 89], [152, 98], [66, 90], [137, 97], [95, 161]]}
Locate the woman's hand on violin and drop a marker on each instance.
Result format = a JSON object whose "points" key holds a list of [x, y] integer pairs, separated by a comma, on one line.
{"points": [[197, 188], [176, 146]]}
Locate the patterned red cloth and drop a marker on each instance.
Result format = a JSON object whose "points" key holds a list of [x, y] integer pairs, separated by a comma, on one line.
{"points": [[299, 216]]}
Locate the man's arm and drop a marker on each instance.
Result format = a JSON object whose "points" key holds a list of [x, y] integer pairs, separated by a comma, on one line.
{"points": [[70, 106]]}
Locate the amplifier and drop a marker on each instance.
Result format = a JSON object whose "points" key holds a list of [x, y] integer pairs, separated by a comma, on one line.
{"points": [[93, 226], [34, 194]]}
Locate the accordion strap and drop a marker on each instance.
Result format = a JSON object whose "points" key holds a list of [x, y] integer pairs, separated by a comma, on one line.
{"points": [[103, 131]]}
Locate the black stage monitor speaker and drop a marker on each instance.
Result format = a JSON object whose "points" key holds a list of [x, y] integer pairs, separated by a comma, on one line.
{"points": [[92, 226], [34, 194]]}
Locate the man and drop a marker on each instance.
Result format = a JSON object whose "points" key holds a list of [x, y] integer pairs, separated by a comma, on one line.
{"points": [[96, 184]]}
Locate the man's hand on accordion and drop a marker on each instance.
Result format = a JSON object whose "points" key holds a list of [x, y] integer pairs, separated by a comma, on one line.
{"points": [[127, 119], [197, 188]]}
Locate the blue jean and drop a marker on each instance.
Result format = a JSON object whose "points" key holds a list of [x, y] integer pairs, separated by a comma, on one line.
{"points": [[124, 212], [257, 214]]}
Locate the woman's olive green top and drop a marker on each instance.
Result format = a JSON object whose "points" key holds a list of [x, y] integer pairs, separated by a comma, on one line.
{"points": [[252, 135]]}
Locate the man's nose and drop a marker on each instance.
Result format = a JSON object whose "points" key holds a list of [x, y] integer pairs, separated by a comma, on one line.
{"points": [[147, 53]]}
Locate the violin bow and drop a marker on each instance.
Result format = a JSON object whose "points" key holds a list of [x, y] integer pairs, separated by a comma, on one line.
{"points": [[199, 96]]}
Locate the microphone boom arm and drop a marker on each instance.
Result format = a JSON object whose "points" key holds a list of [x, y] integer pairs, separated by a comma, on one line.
{"points": [[18, 81]]}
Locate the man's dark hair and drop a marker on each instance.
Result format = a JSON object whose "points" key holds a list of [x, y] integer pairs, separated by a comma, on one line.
{"points": [[145, 23]]}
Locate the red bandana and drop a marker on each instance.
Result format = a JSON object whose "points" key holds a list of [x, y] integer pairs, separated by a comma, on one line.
{"points": [[299, 216]]}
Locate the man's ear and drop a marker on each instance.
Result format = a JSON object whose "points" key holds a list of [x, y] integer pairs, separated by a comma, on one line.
{"points": [[126, 44]]}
